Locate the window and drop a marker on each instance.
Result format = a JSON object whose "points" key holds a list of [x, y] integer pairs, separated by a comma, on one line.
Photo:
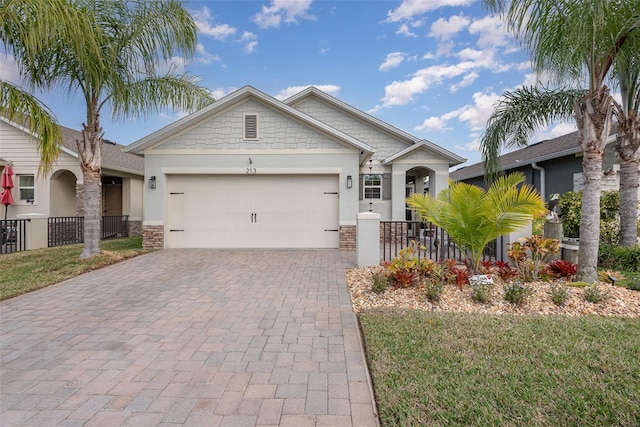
{"points": [[372, 186], [250, 126], [26, 187]]}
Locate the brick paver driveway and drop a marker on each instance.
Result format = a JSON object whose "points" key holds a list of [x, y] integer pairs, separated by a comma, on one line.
{"points": [[198, 337]]}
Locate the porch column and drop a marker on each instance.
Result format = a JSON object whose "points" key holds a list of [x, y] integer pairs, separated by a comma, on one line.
{"points": [[438, 181], [398, 186]]}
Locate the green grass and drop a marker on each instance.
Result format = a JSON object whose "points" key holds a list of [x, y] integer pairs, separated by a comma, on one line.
{"points": [[30, 270], [470, 369]]}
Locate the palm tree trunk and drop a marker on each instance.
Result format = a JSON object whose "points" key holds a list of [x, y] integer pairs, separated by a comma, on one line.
{"points": [[628, 203], [90, 151], [593, 116]]}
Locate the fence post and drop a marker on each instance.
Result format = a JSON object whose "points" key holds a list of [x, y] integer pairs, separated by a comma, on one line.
{"points": [[367, 239], [37, 230]]}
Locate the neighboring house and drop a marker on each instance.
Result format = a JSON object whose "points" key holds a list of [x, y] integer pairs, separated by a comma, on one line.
{"points": [[58, 194], [250, 171], [553, 166]]}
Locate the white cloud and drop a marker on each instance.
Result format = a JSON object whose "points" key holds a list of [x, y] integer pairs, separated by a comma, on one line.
{"points": [[205, 57], [491, 32], [250, 41], [393, 60], [433, 124], [445, 29], [222, 92], [9, 69], [554, 131], [204, 22], [292, 90], [279, 10], [176, 64], [466, 81], [404, 30], [413, 8]]}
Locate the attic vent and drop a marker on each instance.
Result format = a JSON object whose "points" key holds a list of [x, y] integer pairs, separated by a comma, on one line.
{"points": [[250, 126]]}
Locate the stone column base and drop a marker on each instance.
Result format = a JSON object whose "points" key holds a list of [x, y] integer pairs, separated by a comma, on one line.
{"points": [[348, 237], [152, 236]]}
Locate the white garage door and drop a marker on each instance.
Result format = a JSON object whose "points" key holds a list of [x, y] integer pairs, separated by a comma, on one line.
{"points": [[253, 211]]}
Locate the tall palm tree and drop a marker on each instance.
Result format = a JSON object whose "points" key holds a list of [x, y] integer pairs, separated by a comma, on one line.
{"points": [[133, 39], [473, 217], [628, 147], [49, 21], [573, 41]]}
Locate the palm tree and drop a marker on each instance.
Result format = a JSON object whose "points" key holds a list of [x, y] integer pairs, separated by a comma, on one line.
{"points": [[628, 147], [573, 40], [473, 217], [133, 39], [49, 21]]}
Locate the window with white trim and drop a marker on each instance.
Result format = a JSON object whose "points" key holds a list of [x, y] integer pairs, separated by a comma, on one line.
{"points": [[250, 126], [26, 187], [372, 185]]}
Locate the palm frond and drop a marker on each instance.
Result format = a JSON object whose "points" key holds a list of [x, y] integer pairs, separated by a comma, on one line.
{"points": [[23, 108], [518, 114]]}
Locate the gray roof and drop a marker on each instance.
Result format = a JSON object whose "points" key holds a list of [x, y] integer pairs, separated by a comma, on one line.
{"points": [[113, 156], [549, 149]]}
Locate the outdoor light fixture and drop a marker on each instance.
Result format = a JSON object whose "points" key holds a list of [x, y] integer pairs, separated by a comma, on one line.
{"points": [[349, 181], [152, 182]]}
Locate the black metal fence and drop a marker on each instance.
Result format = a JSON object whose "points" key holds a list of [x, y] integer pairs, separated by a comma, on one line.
{"points": [[13, 235], [397, 235], [70, 229]]}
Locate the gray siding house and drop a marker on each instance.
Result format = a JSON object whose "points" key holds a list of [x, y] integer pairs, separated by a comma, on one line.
{"points": [[250, 171]]}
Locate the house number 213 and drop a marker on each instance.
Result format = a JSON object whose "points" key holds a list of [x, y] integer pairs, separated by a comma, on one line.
{"points": [[251, 170]]}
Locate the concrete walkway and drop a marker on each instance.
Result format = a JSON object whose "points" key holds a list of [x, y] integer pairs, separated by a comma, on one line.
{"points": [[188, 337]]}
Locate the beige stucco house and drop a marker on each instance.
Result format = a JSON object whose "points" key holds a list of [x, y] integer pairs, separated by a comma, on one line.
{"points": [[250, 171], [58, 193]]}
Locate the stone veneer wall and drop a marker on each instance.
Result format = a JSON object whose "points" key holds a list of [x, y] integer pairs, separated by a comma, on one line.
{"points": [[135, 228], [348, 237], [393, 233], [152, 236]]}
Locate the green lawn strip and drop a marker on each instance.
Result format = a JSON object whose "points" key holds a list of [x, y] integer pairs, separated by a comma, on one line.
{"points": [[30, 270], [471, 369]]}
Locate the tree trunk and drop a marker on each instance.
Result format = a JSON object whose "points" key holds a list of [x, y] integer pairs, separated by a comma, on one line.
{"points": [[628, 152], [90, 153], [593, 117], [628, 203]]}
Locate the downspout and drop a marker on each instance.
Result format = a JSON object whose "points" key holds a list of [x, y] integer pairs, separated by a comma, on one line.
{"points": [[543, 180]]}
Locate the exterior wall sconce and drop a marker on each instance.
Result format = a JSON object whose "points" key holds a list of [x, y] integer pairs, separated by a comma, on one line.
{"points": [[152, 182], [349, 181]]}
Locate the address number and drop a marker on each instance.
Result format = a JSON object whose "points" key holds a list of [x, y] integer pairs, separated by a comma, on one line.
{"points": [[251, 171]]}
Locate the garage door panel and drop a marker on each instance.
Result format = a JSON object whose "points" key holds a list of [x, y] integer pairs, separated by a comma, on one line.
{"points": [[256, 211]]}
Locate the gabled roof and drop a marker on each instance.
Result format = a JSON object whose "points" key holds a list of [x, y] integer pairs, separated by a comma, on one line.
{"points": [[454, 159], [561, 146], [113, 155], [312, 91], [231, 99]]}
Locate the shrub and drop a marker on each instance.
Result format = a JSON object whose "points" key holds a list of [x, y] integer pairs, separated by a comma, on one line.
{"points": [[570, 212], [633, 284], [529, 255], [563, 268], [609, 276], [594, 293], [619, 258], [461, 276], [380, 282], [404, 268], [559, 293], [433, 289], [481, 293], [516, 293]]}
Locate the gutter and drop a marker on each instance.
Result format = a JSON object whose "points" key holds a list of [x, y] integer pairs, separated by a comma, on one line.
{"points": [[543, 179]]}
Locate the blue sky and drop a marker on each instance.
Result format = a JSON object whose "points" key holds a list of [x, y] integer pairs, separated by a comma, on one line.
{"points": [[432, 68]]}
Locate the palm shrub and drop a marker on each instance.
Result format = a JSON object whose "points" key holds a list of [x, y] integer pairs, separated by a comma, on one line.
{"points": [[473, 217]]}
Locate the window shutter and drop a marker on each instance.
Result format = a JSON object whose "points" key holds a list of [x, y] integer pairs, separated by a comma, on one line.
{"points": [[361, 186], [386, 186], [250, 126]]}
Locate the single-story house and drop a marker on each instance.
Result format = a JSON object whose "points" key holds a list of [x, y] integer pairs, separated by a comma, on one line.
{"points": [[552, 166], [58, 194], [250, 171]]}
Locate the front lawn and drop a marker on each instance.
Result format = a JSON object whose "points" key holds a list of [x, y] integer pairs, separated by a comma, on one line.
{"points": [[30, 270], [475, 369]]}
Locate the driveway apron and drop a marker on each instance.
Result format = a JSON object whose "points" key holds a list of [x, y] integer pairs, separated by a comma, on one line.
{"points": [[189, 337]]}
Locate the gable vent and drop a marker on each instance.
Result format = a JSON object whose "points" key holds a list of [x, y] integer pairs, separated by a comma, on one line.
{"points": [[250, 126]]}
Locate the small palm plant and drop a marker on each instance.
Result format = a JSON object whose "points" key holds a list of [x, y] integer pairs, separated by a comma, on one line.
{"points": [[474, 217]]}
